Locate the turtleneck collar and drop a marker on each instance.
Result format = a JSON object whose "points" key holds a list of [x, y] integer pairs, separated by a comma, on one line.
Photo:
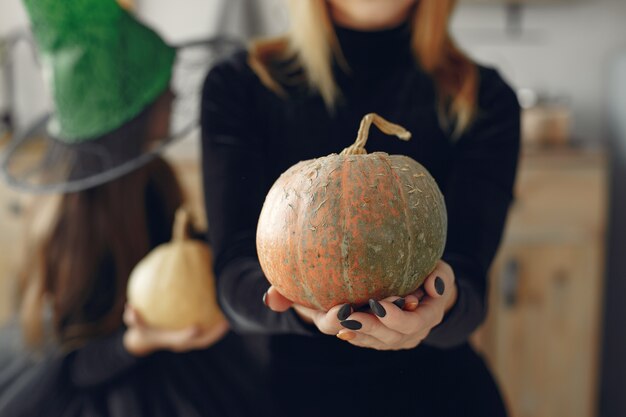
{"points": [[378, 49]]}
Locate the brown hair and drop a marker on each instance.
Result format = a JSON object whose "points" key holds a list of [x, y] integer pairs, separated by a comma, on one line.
{"points": [[312, 40], [82, 265], [86, 244]]}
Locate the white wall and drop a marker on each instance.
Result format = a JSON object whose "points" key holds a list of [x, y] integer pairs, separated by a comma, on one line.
{"points": [[30, 102], [191, 19], [12, 16], [565, 50]]}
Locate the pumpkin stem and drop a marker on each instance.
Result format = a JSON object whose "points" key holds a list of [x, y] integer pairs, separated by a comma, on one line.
{"points": [[181, 225], [358, 147]]}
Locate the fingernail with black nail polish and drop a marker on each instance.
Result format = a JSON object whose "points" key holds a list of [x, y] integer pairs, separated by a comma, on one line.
{"points": [[265, 298], [400, 303], [440, 287], [344, 312], [377, 308], [351, 324]]}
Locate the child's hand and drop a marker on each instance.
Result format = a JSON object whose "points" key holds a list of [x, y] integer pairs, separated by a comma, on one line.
{"points": [[141, 339]]}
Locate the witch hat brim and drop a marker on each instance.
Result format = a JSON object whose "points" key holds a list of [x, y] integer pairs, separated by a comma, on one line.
{"points": [[34, 161]]}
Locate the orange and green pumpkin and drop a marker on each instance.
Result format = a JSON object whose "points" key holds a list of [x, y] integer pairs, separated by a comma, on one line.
{"points": [[346, 228]]}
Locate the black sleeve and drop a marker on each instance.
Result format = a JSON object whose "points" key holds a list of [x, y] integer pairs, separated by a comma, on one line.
{"points": [[478, 193], [235, 185], [100, 361]]}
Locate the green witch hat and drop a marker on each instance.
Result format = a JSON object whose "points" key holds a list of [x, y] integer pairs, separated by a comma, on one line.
{"points": [[102, 66], [104, 71]]}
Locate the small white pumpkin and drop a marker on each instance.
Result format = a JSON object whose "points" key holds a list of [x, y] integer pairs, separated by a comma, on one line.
{"points": [[173, 287]]}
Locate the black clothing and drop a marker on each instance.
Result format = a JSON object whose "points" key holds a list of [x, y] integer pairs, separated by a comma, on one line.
{"points": [[251, 135], [103, 380]]}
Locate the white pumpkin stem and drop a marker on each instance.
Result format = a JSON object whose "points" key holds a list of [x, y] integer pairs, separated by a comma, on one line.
{"points": [[181, 225], [358, 147]]}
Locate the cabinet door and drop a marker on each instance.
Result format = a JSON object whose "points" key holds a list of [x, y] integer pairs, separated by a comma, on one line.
{"points": [[541, 334]]}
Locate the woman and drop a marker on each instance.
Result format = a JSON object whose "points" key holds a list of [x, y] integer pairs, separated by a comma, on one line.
{"points": [[302, 96], [115, 201]]}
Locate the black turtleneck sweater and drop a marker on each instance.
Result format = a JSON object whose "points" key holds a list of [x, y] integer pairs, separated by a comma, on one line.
{"points": [[251, 135]]}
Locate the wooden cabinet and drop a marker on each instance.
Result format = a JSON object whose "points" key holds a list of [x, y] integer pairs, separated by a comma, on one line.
{"points": [[541, 337]]}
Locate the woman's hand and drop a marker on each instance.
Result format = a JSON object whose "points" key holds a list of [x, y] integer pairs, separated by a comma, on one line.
{"points": [[141, 339], [396, 323]]}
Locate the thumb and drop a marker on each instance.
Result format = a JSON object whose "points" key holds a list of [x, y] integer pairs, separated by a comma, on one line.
{"points": [[132, 317], [276, 301]]}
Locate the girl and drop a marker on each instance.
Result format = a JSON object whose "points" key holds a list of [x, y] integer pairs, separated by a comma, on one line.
{"points": [[116, 198]]}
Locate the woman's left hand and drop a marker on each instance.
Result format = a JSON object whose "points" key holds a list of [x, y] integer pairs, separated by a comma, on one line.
{"points": [[395, 323], [392, 328]]}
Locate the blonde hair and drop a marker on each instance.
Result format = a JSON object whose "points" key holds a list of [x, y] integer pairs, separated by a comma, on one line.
{"points": [[313, 42]]}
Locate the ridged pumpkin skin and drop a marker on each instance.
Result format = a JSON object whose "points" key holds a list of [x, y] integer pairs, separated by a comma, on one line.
{"points": [[173, 287], [347, 228]]}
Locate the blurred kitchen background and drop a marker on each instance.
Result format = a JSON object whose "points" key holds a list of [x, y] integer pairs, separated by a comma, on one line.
{"points": [[556, 330]]}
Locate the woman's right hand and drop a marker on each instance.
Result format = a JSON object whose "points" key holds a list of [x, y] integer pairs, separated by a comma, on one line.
{"points": [[140, 339]]}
